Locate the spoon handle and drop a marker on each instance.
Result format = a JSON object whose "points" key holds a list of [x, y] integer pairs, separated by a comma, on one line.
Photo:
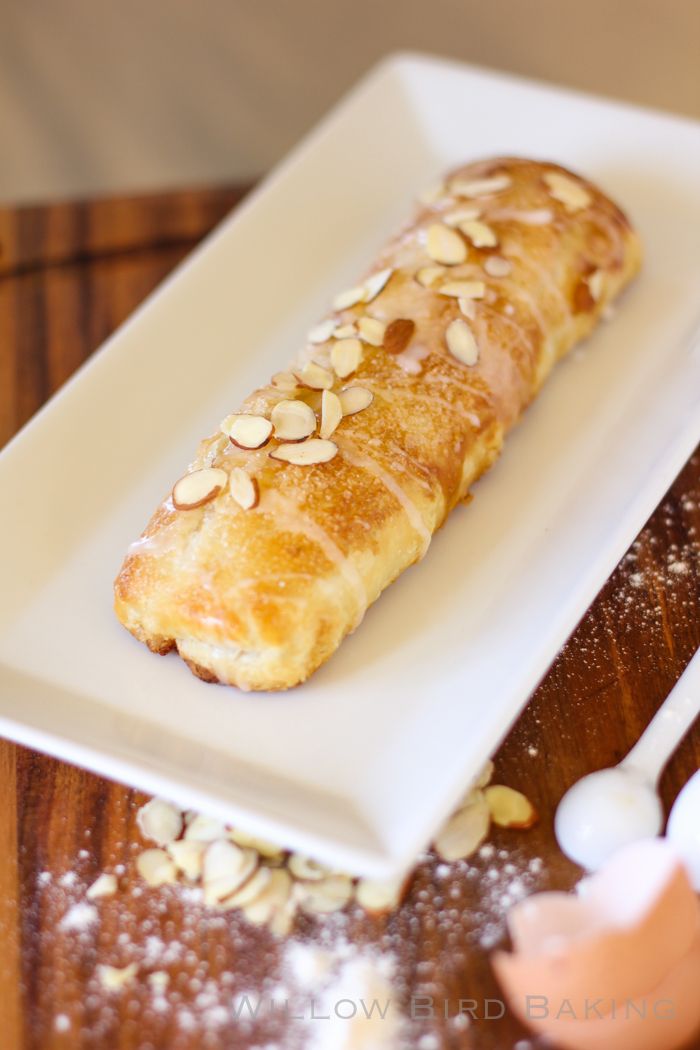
{"points": [[668, 726]]}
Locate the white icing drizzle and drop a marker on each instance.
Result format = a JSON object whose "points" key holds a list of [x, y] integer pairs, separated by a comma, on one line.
{"points": [[365, 462], [288, 515], [543, 276]]}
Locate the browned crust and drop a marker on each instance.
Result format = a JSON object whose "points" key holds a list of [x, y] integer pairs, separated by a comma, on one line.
{"points": [[261, 598]]}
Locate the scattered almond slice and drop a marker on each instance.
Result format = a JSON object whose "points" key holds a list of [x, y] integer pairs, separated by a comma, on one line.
{"points": [[463, 289], [104, 886], [286, 381], [264, 847], [293, 420], [188, 856], [428, 275], [432, 193], [479, 233], [460, 215], [345, 331], [567, 191], [377, 897], [350, 297], [595, 283], [247, 432], [497, 266], [198, 487], [398, 335], [376, 283], [306, 453], [467, 308], [204, 829], [112, 978], [320, 333], [315, 376], [273, 897], [465, 831], [480, 187], [355, 399], [226, 867], [371, 330], [485, 776], [461, 342], [444, 245], [243, 488], [159, 821], [346, 355], [251, 888], [510, 808], [331, 413], [156, 867], [325, 895], [306, 869]]}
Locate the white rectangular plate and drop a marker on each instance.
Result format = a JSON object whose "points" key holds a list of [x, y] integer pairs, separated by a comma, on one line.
{"points": [[359, 765]]}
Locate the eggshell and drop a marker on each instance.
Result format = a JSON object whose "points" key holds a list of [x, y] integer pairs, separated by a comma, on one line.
{"points": [[638, 918], [672, 1015]]}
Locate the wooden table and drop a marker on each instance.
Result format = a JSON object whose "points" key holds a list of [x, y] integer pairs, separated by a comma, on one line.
{"points": [[69, 274]]}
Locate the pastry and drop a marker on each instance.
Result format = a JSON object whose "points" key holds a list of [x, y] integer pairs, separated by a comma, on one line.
{"points": [[331, 480]]}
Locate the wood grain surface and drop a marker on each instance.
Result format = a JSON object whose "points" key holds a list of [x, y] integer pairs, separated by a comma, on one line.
{"points": [[69, 274]]}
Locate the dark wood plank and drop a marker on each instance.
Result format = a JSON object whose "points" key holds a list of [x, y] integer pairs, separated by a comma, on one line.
{"points": [[72, 273]]}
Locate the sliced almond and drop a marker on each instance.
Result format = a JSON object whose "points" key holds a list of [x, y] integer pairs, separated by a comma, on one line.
{"points": [[247, 432], [465, 831], [226, 867], [460, 215], [263, 846], [188, 857], [159, 821], [105, 885], [467, 308], [510, 808], [376, 283], [251, 888], [428, 275], [350, 297], [156, 867], [198, 487], [479, 233], [480, 187], [461, 342], [444, 245], [346, 355], [320, 333], [345, 331], [567, 191], [463, 289], [243, 488], [497, 266], [272, 898], [204, 829], [331, 413], [595, 283], [284, 381], [324, 896], [112, 978], [398, 335], [306, 869], [377, 897], [306, 453], [485, 776], [355, 399], [432, 193], [293, 420], [315, 376], [371, 330]]}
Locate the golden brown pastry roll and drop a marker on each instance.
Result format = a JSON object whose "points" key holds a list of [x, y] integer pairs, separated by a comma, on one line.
{"points": [[331, 480]]}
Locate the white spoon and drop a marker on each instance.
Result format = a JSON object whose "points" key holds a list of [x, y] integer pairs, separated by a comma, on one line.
{"points": [[608, 809], [683, 828]]}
